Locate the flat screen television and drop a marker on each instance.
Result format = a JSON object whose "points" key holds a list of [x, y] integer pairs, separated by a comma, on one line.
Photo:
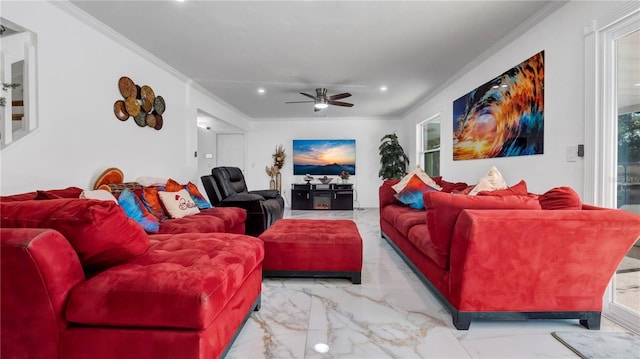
{"points": [[324, 157]]}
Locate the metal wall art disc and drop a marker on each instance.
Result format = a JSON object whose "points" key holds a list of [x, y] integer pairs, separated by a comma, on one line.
{"points": [[127, 87], [141, 103], [120, 111]]}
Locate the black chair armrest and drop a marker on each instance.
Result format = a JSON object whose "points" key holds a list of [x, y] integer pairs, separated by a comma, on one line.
{"points": [[267, 193], [244, 197]]}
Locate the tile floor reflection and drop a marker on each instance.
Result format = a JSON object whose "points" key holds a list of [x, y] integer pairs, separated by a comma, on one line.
{"points": [[390, 315]]}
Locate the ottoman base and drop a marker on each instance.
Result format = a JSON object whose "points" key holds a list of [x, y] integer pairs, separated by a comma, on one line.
{"points": [[355, 277]]}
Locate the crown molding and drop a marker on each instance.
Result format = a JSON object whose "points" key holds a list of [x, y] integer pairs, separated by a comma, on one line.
{"points": [[81, 15]]}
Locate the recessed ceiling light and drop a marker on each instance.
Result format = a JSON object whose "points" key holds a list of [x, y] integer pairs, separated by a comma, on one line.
{"points": [[261, 90], [321, 348], [383, 88], [180, 0], [638, 84]]}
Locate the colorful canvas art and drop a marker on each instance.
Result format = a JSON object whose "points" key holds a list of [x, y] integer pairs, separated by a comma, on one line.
{"points": [[504, 117]]}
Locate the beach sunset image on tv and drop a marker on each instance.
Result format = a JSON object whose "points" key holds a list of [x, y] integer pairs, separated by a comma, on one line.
{"points": [[324, 157]]}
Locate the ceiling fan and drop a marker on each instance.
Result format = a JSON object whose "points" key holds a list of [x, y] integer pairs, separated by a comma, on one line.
{"points": [[321, 100]]}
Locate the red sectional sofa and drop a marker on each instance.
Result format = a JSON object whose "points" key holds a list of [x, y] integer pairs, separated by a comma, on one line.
{"points": [[503, 257], [82, 280]]}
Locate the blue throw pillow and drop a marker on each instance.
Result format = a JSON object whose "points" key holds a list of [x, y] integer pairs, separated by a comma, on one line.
{"points": [[411, 195], [136, 210]]}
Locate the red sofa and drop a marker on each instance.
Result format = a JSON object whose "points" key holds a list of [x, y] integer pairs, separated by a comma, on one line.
{"points": [[503, 257], [79, 279]]}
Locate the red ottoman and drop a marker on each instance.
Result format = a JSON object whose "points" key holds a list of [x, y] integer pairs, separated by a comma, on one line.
{"points": [[313, 248]]}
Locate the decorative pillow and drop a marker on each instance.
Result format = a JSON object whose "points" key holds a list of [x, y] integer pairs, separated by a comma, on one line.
{"points": [[136, 210], [109, 176], [46, 195], [98, 194], [151, 181], [69, 192], [398, 187], [450, 187], [178, 204], [411, 195], [489, 182], [443, 210], [560, 198], [173, 185], [99, 231], [519, 189], [151, 199], [197, 197]]}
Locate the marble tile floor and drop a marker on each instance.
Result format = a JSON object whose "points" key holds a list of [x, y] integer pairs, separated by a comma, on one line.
{"points": [[390, 315]]}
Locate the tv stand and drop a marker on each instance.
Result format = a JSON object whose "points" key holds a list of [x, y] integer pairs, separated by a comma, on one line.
{"points": [[333, 196]]}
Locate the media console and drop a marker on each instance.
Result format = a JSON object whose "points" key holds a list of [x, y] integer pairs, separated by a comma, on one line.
{"points": [[322, 196]]}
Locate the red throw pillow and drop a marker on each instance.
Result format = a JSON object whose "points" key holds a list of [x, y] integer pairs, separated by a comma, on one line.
{"points": [[519, 189], [99, 231], [450, 186], [560, 198], [443, 210]]}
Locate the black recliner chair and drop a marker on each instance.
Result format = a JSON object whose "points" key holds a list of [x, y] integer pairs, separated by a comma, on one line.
{"points": [[226, 187]]}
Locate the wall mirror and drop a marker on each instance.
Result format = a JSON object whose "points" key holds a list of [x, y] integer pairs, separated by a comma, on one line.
{"points": [[18, 102]]}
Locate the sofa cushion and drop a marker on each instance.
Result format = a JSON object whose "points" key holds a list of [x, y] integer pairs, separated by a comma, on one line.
{"points": [[183, 281], [217, 219], [443, 210], [233, 217], [560, 198], [411, 194], [99, 231], [419, 236], [405, 222]]}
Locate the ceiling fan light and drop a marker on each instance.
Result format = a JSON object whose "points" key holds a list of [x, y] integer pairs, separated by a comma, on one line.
{"points": [[321, 103]]}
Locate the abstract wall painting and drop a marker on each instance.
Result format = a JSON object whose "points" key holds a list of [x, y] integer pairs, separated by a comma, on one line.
{"points": [[504, 117]]}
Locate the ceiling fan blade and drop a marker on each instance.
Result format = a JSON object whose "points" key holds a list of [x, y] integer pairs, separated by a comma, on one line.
{"points": [[309, 96], [339, 96], [340, 103], [299, 101]]}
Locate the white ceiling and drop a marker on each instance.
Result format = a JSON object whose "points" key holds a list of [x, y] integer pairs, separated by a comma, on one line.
{"points": [[232, 48]]}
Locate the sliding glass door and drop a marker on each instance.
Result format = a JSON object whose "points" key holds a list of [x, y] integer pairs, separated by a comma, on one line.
{"points": [[624, 298]]}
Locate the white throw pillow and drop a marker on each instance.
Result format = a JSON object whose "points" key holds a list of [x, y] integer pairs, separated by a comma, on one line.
{"points": [[178, 204], [398, 187], [489, 182], [98, 194], [151, 181]]}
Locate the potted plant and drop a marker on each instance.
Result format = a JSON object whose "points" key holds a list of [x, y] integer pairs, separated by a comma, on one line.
{"points": [[393, 160]]}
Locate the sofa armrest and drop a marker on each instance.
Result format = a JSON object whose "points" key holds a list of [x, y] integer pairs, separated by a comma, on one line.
{"points": [[38, 268], [537, 260]]}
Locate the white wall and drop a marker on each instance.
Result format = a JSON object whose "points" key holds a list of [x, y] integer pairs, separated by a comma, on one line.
{"points": [[265, 136], [78, 135], [561, 36]]}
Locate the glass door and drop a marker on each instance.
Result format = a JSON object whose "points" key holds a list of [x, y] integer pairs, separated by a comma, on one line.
{"points": [[624, 296]]}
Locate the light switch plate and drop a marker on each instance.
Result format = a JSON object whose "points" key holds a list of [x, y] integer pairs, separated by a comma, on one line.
{"points": [[572, 153]]}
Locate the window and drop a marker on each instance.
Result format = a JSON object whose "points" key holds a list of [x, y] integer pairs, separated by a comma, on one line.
{"points": [[429, 145]]}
